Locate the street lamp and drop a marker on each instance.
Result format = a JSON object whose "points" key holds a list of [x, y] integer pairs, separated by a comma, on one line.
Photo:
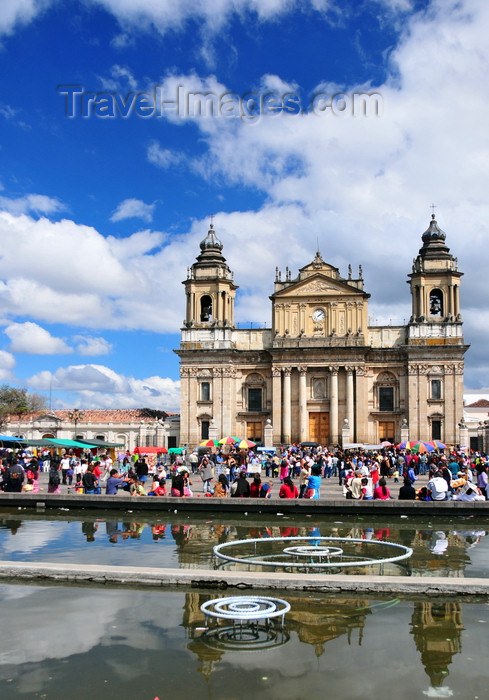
{"points": [[76, 415]]}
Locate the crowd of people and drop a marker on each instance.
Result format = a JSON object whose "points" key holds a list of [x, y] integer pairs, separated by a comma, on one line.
{"points": [[300, 472], [362, 475]]}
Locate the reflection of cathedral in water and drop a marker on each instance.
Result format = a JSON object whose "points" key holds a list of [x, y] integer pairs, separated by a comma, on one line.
{"points": [[437, 630], [436, 552], [320, 620], [316, 621]]}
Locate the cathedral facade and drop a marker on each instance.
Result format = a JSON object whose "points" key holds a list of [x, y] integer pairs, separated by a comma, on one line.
{"points": [[321, 373]]}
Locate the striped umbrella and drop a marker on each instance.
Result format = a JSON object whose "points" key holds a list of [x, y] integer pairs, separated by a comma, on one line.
{"points": [[406, 445], [246, 444], [230, 440], [209, 443], [438, 445], [422, 447]]}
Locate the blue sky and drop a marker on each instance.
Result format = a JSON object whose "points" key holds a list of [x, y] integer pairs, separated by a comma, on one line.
{"points": [[100, 216]]}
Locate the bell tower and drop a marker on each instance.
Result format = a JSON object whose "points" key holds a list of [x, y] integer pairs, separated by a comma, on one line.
{"points": [[435, 285], [209, 288]]}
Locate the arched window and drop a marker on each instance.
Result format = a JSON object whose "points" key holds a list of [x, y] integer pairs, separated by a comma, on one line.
{"points": [[206, 308], [436, 302], [122, 438]]}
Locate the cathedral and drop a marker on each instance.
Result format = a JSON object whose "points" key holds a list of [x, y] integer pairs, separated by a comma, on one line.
{"points": [[321, 373]]}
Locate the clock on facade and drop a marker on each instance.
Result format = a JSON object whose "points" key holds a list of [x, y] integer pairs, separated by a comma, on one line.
{"points": [[318, 315]]}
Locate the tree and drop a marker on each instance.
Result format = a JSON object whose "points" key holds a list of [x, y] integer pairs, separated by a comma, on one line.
{"points": [[18, 402], [152, 413]]}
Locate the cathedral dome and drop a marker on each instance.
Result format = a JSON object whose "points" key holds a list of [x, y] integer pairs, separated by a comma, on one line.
{"points": [[211, 241], [433, 232]]}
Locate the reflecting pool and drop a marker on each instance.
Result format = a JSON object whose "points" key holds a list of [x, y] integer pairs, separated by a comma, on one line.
{"points": [[87, 643], [456, 546]]}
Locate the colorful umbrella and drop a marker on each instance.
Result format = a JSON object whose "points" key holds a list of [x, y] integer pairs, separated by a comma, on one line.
{"points": [[438, 445], [209, 443], [406, 445], [246, 444], [422, 447], [230, 440]]}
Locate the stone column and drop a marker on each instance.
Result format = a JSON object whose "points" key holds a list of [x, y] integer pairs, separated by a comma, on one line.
{"points": [[404, 431], [160, 434], [277, 405], [333, 405], [268, 434], [188, 307], [228, 407], [458, 401], [463, 433], [413, 399], [286, 410], [485, 436], [302, 404], [362, 406], [350, 411], [346, 435], [213, 430]]}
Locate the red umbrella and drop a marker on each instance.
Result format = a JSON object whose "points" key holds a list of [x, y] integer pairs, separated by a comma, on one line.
{"points": [[150, 450]]}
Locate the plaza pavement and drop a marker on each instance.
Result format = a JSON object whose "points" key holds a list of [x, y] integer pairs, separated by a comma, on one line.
{"points": [[330, 488]]}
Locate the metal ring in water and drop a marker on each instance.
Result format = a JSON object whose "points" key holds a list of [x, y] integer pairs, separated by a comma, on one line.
{"points": [[245, 608], [314, 551], [405, 553], [237, 638]]}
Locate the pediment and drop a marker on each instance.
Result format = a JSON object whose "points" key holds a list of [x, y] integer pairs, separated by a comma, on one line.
{"points": [[320, 285], [47, 419]]}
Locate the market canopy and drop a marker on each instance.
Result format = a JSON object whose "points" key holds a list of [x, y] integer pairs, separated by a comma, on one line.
{"points": [[100, 443], [70, 443], [40, 442]]}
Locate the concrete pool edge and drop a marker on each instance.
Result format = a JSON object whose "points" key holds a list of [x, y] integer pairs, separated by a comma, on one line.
{"points": [[96, 574], [240, 505]]}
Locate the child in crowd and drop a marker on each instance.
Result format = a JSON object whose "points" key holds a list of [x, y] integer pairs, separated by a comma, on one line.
{"points": [[266, 490], [158, 488], [367, 493]]}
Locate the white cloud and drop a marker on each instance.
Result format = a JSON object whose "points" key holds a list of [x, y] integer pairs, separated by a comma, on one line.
{"points": [[99, 386], [32, 339], [133, 209], [12, 115], [120, 78], [31, 204], [7, 363], [16, 12], [96, 287], [167, 14], [88, 345], [163, 157]]}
